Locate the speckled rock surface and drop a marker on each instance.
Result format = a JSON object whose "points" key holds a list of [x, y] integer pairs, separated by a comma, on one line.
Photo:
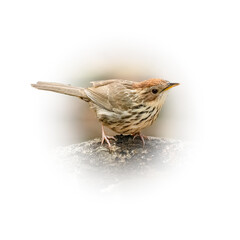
{"points": [[126, 158]]}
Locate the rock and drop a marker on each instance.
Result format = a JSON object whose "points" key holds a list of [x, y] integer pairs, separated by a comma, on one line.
{"points": [[126, 158]]}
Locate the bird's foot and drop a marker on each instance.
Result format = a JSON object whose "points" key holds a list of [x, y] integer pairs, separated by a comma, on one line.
{"points": [[141, 136], [106, 138]]}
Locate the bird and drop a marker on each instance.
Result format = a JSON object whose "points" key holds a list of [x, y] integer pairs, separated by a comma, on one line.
{"points": [[124, 106]]}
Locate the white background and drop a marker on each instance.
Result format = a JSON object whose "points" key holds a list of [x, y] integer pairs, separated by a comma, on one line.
{"points": [[43, 40]]}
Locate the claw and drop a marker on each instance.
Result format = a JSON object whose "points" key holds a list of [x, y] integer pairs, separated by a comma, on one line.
{"points": [[111, 137], [141, 136], [106, 138]]}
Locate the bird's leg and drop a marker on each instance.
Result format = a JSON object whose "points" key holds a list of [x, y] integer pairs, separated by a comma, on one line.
{"points": [[106, 138], [141, 136]]}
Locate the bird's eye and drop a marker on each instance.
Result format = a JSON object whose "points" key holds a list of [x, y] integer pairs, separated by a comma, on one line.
{"points": [[154, 91]]}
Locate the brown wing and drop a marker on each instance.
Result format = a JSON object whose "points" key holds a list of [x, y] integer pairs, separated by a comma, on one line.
{"points": [[112, 95]]}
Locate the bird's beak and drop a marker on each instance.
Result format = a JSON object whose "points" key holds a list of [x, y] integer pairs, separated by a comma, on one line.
{"points": [[170, 85]]}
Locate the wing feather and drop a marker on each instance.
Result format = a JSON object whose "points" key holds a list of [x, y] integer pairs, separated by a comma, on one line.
{"points": [[111, 94], [99, 99]]}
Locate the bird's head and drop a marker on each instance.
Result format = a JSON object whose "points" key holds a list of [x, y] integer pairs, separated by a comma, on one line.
{"points": [[153, 89]]}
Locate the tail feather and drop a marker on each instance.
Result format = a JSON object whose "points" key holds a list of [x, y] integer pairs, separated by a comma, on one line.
{"points": [[62, 88]]}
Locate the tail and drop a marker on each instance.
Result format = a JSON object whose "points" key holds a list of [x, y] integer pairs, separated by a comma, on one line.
{"points": [[62, 88]]}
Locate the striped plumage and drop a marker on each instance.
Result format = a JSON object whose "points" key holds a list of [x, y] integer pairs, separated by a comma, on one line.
{"points": [[131, 120], [124, 106]]}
